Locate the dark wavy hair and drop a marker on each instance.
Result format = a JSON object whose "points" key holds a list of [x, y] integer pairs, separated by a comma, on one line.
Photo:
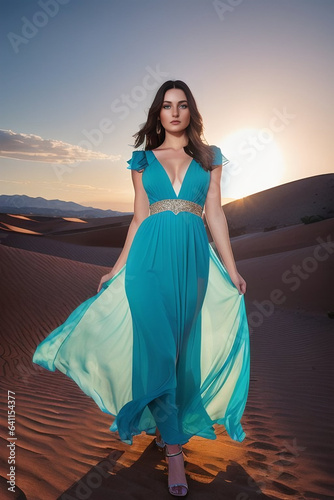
{"points": [[195, 148]]}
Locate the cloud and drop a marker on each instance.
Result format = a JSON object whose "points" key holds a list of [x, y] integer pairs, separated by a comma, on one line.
{"points": [[30, 147], [65, 187]]}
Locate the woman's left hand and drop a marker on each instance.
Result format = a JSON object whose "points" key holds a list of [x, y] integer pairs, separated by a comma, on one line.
{"points": [[239, 282]]}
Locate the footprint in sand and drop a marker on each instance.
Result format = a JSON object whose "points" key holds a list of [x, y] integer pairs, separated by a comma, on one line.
{"points": [[256, 456], [258, 465], [285, 476], [284, 463], [265, 437], [283, 488], [263, 446]]}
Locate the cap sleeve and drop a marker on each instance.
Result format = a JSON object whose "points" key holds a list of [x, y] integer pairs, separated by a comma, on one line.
{"points": [[138, 161], [219, 158]]}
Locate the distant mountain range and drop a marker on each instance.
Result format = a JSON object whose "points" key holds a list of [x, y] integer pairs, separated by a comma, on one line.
{"points": [[26, 205], [296, 202]]}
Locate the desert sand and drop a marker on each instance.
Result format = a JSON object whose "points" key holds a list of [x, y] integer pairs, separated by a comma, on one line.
{"points": [[64, 449]]}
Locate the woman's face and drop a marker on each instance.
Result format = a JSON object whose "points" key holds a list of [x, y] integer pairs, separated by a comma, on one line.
{"points": [[174, 113]]}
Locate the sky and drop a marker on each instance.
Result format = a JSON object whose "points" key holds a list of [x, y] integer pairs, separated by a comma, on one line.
{"points": [[78, 78]]}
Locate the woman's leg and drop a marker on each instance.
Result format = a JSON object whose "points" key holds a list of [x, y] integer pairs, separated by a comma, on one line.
{"points": [[165, 414], [176, 472]]}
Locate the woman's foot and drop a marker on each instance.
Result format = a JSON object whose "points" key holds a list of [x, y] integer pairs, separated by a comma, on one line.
{"points": [[159, 441], [177, 483]]}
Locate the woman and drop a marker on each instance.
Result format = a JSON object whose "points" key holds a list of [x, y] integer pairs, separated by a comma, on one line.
{"points": [[164, 345]]}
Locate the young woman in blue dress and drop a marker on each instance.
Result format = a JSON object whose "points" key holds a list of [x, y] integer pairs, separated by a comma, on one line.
{"points": [[173, 132]]}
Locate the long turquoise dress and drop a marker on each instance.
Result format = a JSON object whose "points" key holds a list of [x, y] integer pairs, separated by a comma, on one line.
{"points": [[165, 342]]}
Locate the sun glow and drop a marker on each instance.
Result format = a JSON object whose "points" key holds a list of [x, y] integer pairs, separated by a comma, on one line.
{"points": [[256, 162]]}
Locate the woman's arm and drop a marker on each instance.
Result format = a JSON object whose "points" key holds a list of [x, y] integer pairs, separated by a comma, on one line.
{"points": [[140, 212], [217, 223]]}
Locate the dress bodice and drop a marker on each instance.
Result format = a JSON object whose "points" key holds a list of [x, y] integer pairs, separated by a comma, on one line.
{"points": [[157, 183]]}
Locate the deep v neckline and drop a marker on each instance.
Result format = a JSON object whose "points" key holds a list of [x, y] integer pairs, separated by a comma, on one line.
{"points": [[170, 182]]}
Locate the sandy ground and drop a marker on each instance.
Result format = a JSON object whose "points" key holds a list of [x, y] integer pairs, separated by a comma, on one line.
{"points": [[64, 449]]}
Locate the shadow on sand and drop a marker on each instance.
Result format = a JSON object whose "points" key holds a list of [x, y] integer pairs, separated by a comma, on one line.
{"points": [[147, 479]]}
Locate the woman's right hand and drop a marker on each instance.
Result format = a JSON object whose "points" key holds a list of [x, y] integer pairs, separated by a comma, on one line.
{"points": [[105, 277]]}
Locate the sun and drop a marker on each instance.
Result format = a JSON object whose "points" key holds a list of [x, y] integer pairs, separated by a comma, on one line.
{"points": [[256, 162]]}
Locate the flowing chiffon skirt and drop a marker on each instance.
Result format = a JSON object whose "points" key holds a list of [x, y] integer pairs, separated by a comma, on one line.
{"points": [[95, 347]]}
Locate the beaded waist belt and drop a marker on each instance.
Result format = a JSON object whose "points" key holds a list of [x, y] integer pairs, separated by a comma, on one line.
{"points": [[176, 206]]}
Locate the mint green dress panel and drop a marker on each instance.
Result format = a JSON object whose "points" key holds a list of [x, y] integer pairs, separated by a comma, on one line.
{"points": [[165, 343]]}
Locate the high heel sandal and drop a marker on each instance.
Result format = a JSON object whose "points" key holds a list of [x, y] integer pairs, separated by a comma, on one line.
{"points": [[177, 486]]}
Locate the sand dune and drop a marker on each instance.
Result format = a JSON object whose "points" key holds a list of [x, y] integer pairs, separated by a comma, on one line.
{"points": [[75, 219], [64, 448], [18, 229], [283, 205], [282, 240], [298, 261], [23, 217], [102, 232]]}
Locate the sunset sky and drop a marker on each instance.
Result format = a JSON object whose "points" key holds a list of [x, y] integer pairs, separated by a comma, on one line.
{"points": [[78, 77]]}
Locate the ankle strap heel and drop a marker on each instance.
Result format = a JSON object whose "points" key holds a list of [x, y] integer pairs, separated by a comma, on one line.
{"points": [[174, 489], [173, 454]]}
